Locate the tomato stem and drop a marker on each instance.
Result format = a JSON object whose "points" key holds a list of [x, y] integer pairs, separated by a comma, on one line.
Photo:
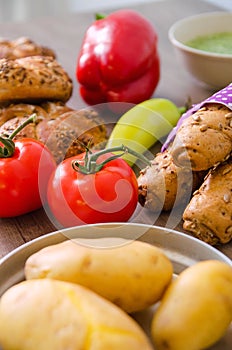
{"points": [[7, 146], [182, 109], [29, 120], [99, 16], [90, 162], [7, 150]]}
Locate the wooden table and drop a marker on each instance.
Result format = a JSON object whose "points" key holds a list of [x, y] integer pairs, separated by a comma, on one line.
{"points": [[64, 35]]}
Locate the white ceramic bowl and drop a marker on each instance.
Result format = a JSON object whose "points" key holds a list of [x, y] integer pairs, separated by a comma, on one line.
{"points": [[212, 69]]}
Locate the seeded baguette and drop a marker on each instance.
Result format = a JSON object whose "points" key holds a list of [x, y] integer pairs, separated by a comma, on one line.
{"points": [[204, 139], [208, 215], [163, 184], [33, 79]]}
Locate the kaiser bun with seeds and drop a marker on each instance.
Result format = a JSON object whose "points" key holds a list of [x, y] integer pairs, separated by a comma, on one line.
{"points": [[39, 85], [33, 79], [66, 132], [23, 47]]}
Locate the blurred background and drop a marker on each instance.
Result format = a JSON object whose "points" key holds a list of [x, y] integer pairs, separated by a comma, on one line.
{"points": [[22, 10]]}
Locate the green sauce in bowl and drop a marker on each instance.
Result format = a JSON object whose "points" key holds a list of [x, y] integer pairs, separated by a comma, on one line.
{"points": [[217, 43]]}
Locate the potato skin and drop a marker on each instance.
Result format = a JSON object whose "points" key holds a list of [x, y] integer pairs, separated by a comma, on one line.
{"points": [[196, 309], [133, 275], [56, 315]]}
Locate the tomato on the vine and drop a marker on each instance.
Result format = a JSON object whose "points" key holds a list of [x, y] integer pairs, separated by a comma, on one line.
{"points": [[24, 177], [94, 188], [25, 168]]}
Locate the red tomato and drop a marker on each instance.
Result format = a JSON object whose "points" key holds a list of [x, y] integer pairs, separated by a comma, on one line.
{"points": [[24, 177], [110, 194]]}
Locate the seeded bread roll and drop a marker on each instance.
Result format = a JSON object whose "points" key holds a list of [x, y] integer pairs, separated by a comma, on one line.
{"points": [[55, 108], [19, 110], [23, 47], [204, 138], [14, 115], [33, 79], [70, 133], [208, 215], [28, 131], [65, 132], [163, 184]]}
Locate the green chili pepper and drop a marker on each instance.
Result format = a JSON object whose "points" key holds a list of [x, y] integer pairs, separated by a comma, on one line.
{"points": [[144, 124]]}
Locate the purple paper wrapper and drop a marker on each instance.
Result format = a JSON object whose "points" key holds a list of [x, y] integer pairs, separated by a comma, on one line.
{"points": [[223, 96]]}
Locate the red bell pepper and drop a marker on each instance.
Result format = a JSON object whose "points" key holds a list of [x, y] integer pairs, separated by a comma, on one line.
{"points": [[119, 60]]}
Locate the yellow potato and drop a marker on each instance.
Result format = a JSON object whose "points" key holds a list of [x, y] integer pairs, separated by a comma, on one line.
{"points": [[196, 309], [133, 275], [56, 315]]}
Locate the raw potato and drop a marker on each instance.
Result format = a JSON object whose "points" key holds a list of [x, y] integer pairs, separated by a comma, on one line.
{"points": [[55, 315], [133, 275], [196, 309]]}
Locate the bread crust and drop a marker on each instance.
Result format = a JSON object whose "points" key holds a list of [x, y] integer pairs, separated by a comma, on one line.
{"points": [[208, 215], [19, 110], [14, 115], [23, 47], [66, 132], [70, 133], [33, 79], [204, 138], [163, 184]]}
